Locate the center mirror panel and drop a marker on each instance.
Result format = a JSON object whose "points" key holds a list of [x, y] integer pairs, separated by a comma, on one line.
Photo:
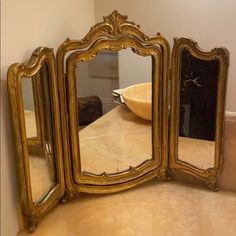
{"points": [[114, 110], [111, 88]]}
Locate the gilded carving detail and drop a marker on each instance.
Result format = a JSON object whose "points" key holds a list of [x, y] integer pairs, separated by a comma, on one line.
{"points": [[114, 33]]}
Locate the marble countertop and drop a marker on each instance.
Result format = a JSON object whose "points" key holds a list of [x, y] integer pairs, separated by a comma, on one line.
{"points": [[114, 142], [198, 152], [152, 209], [120, 139], [155, 208]]}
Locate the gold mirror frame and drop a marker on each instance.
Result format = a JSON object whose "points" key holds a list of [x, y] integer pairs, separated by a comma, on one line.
{"points": [[33, 211], [210, 175], [114, 33], [149, 165]]}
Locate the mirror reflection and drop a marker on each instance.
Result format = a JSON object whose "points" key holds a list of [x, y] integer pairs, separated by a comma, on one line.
{"points": [[113, 136], [197, 111], [29, 109], [38, 125]]}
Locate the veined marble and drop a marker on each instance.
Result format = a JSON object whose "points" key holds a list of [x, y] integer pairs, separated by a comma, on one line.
{"points": [[152, 209], [197, 152], [114, 142]]}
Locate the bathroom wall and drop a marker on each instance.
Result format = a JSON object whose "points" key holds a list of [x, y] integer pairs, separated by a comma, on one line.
{"points": [[26, 25], [98, 78], [211, 23], [133, 68]]}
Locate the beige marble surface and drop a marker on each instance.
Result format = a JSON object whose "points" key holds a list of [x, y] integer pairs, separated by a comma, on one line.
{"points": [[110, 152], [114, 142], [197, 152], [152, 209]]}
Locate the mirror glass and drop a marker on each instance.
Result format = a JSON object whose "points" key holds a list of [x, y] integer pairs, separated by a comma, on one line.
{"points": [[38, 119], [111, 137], [29, 109], [197, 111]]}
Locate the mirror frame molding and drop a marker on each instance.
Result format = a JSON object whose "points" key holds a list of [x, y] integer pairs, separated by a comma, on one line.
{"points": [[130, 173], [114, 27], [33, 211], [210, 175]]}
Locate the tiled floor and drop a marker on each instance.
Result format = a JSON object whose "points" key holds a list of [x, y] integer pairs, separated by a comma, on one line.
{"points": [[152, 209]]}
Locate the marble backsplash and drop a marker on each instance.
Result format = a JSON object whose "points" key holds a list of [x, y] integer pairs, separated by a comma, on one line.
{"points": [[228, 177]]}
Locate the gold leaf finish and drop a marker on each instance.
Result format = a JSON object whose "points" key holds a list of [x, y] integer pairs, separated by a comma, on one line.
{"points": [[114, 33]]}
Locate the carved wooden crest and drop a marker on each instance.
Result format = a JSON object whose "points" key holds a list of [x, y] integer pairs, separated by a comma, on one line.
{"points": [[113, 23]]}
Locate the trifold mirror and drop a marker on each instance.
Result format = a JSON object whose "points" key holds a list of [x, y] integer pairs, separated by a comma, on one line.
{"points": [[101, 118]]}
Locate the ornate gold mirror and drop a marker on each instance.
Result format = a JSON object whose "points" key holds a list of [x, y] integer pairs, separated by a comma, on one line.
{"points": [[198, 100], [99, 120], [116, 147], [35, 112]]}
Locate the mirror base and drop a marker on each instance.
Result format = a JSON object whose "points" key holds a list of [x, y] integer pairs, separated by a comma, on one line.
{"points": [[32, 223], [213, 186]]}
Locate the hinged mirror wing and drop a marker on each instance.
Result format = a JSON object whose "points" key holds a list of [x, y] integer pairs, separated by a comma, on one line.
{"points": [[110, 147], [197, 110], [34, 105]]}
